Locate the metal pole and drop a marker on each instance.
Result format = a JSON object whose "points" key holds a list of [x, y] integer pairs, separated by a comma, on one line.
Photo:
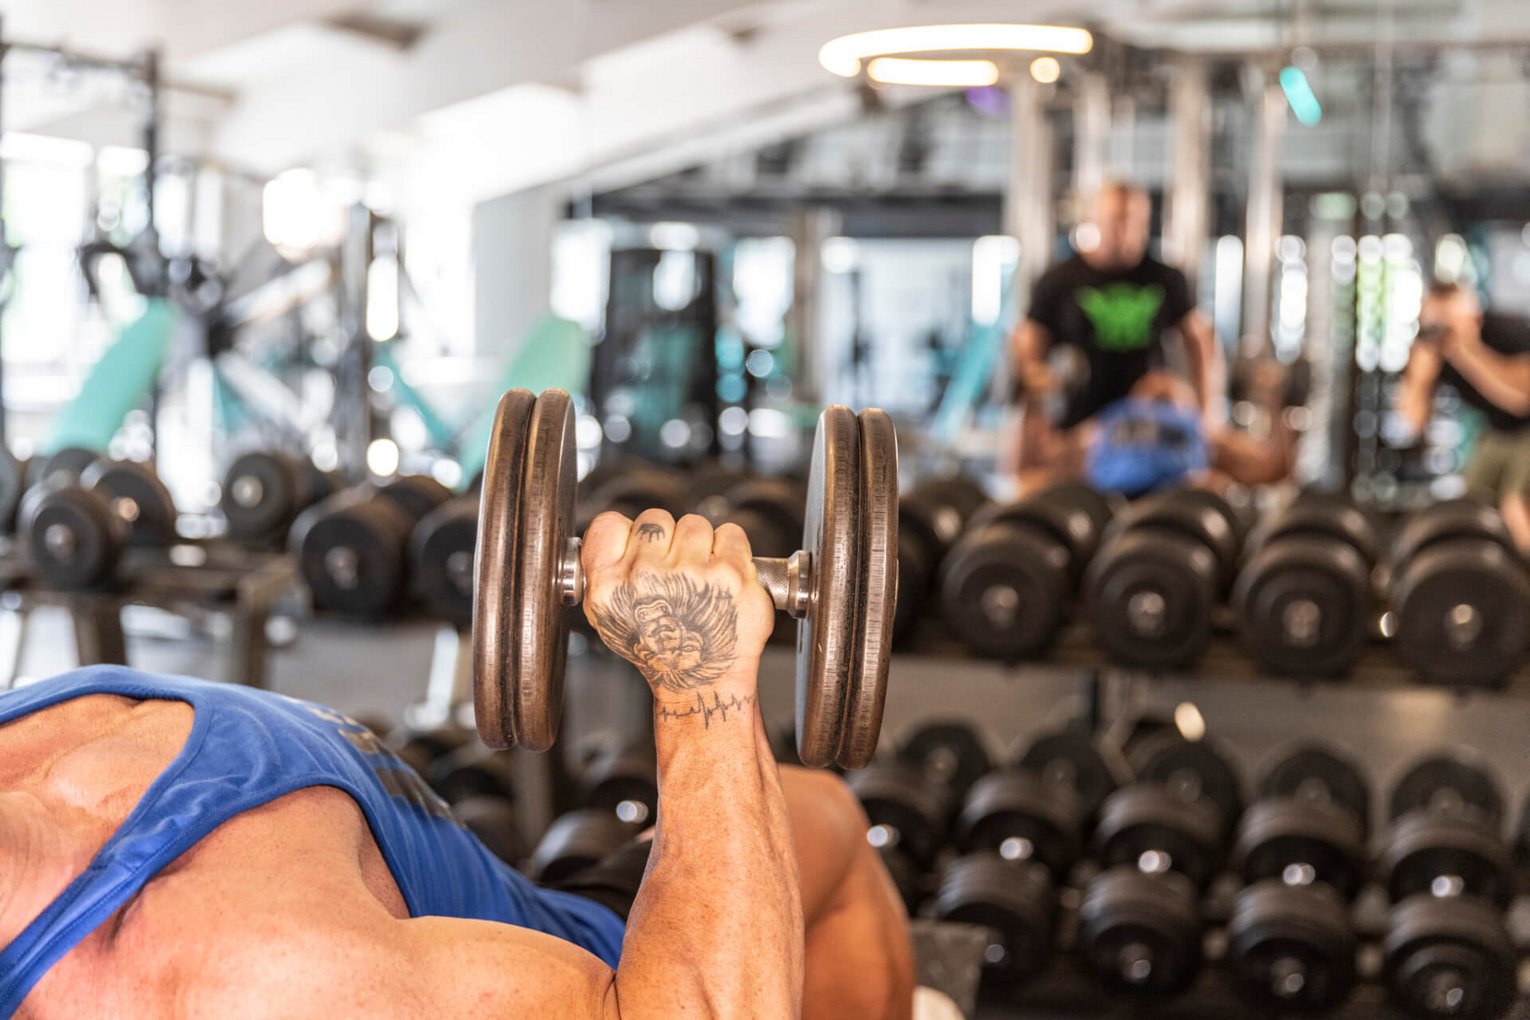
{"points": [[1265, 214], [1187, 232], [809, 229], [1091, 135], [1028, 201]]}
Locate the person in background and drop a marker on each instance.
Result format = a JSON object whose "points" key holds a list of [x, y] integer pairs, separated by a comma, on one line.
{"points": [[1155, 438], [1485, 357], [1097, 324]]}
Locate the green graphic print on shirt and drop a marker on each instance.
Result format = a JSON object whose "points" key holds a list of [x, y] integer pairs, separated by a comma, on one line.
{"points": [[1122, 314]]}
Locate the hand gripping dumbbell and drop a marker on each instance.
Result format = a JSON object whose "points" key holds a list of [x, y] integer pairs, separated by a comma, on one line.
{"points": [[841, 586], [911, 798], [353, 549], [77, 530], [1303, 598], [1159, 841], [1460, 598], [1301, 854], [931, 517], [264, 491], [1021, 831], [1006, 586], [1163, 568], [1448, 874]]}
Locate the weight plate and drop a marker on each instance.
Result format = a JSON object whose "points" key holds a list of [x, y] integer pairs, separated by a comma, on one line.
{"points": [[1448, 782], [1020, 817], [1099, 507], [66, 464], [496, 674], [626, 783], [1446, 521], [441, 560], [138, 497], [1304, 606], [1316, 513], [416, 495], [1301, 842], [1446, 854], [876, 583], [1462, 612], [831, 536], [905, 810], [539, 647], [1292, 948], [914, 575], [1004, 589], [768, 535], [1149, 596], [1148, 826], [1192, 770], [351, 551], [72, 537], [1226, 537], [263, 491], [1450, 958], [1015, 901], [1072, 758], [1141, 933], [1314, 773], [13, 485], [950, 754], [493, 821], [576, 840], [641, 487], [953, 501]]}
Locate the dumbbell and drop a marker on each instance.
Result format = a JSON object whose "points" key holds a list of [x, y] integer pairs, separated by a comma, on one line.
{"points": [[1301, 854], [441, 560], [624, 780], [1159, 842], [575, 841], [841, 586], [1006, 586], [66, 463], [264, 491], [76, 531], [911, 798], [352, 549], [13, 485], [1162, 570], [1460, 598], [1449, 876], [479, 784], [931, 517], [1021, 830], [1303, 599], [420, 749]]}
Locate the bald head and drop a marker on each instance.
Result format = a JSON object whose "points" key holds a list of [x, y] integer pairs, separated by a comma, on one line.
{"points": [[1122, 215]]}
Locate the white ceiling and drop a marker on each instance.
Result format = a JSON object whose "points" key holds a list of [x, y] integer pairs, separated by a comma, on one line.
{"points": [[491, 95]]}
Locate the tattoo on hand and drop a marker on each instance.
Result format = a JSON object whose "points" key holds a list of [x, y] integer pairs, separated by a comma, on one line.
{"points": [[678, 631], [735, 704], [650, 532]]}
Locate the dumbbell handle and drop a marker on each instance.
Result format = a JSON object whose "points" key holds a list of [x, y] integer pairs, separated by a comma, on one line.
{"points": [[789, 580]]}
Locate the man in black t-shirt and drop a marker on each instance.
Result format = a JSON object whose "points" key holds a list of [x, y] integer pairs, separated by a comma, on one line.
{"points": [[1097, 322], [1485, 357]]}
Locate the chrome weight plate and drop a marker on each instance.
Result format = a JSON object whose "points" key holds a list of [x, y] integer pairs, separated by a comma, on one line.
{"points": [[877, 585], [826, 636], [494, 675]]}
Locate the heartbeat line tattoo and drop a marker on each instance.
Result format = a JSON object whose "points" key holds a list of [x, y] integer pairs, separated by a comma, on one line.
{"points": [[734, 704], [650, 532]]}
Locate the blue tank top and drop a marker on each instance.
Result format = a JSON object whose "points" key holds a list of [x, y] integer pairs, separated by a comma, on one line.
{"points": [[247, 748]]}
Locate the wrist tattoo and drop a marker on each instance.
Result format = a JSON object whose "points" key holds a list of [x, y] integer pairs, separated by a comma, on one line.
{"points": [[737, 704], [678, 632], [650, 532]]}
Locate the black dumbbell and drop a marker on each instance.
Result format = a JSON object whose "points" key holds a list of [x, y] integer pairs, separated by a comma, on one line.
{"points": [[352, 549], [472, 770], [421, 748], [1447, 952], [441, 550], [910, 799], [770, 512], [264, 490], [66, 464], [624, 781], [931, 517], [1021, 830], [1006, 586], [1163, 569], [629, 487], [1460, 597], [1159, 842], [1301, 854], [13, 485], [76, 530], [493, 821], [575, 841], [1303, 598]]}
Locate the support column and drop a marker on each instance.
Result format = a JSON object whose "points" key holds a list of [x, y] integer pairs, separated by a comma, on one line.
{"points": [[512, 255], [1265, 214], [1028, 200], [1091, 134], [1187, 226], [810, 228]]}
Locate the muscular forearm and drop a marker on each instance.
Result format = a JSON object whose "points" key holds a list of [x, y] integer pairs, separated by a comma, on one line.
{"points": [[716, 929]]}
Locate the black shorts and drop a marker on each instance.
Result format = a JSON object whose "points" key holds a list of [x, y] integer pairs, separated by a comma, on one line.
{"points": [[614, 881]]}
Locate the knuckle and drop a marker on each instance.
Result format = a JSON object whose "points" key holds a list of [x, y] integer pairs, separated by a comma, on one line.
{"points": [[609, 519]]}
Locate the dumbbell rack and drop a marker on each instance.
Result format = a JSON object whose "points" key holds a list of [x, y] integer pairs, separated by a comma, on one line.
{"points": [[192, 581]]}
